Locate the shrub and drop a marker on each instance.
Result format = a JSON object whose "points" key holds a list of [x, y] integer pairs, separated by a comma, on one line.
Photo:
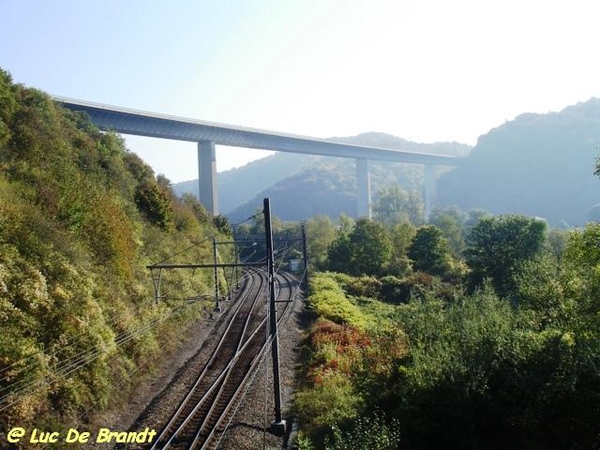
{"points": [[155, 204], [75, 307], [328, 300], [365, 433], [478, 373]]}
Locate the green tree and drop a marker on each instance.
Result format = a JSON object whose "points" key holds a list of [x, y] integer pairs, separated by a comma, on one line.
{"points": [[475, 215], [402, 235], [451, 223], [222, 224], [152, 200], [345, 223], [395, 205], [429, 251], [370, 248], [8, 105], [338, 254], [366, 250], [366, 433], [320, 233], [199, 211], [556, 243], [498, 246]]}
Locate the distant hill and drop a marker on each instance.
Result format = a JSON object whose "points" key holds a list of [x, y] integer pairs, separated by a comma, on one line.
{"points": [[324, 188], [237, 186], [537, 164], [384, 140], [301, 186]]}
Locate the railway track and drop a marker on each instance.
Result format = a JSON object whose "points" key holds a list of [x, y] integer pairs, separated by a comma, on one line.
{"points": [[211, 399]]}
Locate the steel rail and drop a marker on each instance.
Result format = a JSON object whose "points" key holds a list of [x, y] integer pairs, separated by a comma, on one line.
{"points": [[243, 295], [255, 360]]}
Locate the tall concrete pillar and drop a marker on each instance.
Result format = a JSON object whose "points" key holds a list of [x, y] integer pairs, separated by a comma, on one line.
{"points": [[207, 177], [430, 190], [363, 179]]}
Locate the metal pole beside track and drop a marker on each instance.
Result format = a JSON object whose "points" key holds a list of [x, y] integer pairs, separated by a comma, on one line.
{"points": [[217, 307], [278, 426], [304, 257]]}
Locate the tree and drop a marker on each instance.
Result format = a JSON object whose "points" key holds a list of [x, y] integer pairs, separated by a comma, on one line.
{"points": [[338, 254], [365, 250], [320, 233], [222, 224], [556, 243], [402, 235], [451, 223], [429, 251], [475, 215], [346, 223], [199, 211], [370, 248], [497, 246], [394, 205], [155, 203]]}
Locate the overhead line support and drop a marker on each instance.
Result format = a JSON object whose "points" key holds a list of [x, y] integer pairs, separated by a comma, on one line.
{"points": [[278, 426], [204, 266]]}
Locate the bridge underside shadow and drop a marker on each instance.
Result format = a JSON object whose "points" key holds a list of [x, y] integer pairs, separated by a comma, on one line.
{"points": [[209, 134]]}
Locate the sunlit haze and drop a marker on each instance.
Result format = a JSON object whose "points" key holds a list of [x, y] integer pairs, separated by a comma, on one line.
{"points": [[425, 71]]}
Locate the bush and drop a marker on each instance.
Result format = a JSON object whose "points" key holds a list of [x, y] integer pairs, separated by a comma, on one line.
{"points": [[328, 300], [73, 251], [479, 375], [329, 401], [155, 204], [365, 433]]}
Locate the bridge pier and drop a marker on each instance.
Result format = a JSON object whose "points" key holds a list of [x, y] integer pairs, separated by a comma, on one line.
{"points": [[430, 189], [207, 177], [363, 181]]}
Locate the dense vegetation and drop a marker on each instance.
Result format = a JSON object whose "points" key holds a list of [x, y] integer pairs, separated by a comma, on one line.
{"points": [[80, 218], [473, 331]]}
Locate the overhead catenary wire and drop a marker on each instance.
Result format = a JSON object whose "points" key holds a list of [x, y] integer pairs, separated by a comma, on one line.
{"points": [[198, 243], [78, 361], [72, 341], [84, 360], [121, 383], [87, 358], [116, 320], [75, 362], [114, 323]]}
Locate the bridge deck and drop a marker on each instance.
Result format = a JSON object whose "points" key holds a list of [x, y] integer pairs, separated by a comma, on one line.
{"points": [[142, 123]]}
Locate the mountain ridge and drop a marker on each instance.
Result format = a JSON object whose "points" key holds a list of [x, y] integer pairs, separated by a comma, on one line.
{"points": [[536, 164], [240, 188]]}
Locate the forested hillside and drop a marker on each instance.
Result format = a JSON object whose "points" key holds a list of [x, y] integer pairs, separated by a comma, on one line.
{"points": [[323, 188], [238, 186], [80, 218], [536, 164], [295, 182]]}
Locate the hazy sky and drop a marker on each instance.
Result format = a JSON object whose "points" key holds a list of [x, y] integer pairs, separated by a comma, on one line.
{"points": [[424, 70]]}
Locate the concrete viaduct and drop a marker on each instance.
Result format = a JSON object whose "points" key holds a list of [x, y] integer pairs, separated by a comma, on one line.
{"points": [[208, 134]]}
